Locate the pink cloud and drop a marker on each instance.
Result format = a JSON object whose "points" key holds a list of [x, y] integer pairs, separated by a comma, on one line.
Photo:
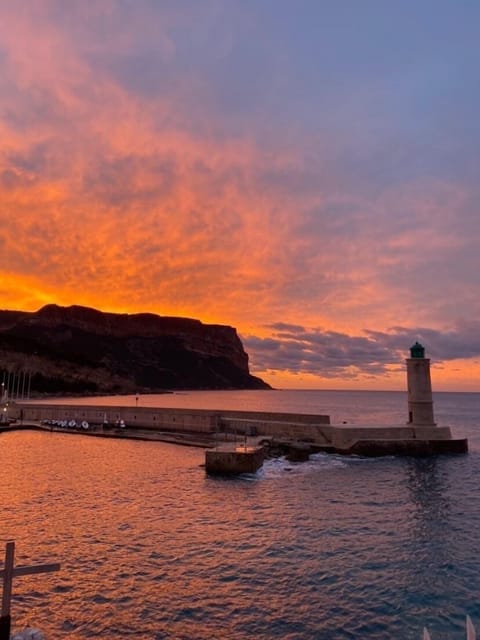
{"points": [[128, 196]]}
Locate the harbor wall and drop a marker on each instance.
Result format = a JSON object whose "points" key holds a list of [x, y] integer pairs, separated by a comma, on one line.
{"points": [[315, 430], [343, 437], [173, 419], [140, 417]]}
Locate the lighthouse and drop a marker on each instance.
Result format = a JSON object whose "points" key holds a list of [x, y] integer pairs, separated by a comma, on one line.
{"points": [[420, 401]]}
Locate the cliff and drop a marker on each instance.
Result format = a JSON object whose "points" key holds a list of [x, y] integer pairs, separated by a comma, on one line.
{"points": [[82, 350]]}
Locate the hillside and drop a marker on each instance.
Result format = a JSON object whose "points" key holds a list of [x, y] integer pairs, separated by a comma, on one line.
{"points": [[81, 350]]}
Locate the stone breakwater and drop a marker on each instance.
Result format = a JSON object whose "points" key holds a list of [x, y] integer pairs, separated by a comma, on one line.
{"points": [[203, 427]]}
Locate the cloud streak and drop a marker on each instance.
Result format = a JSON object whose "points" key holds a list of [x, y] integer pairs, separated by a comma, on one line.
{"points": [[331, 354]]}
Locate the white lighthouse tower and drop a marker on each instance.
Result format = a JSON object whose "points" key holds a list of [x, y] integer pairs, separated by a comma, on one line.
{"points": [[420, 401]]}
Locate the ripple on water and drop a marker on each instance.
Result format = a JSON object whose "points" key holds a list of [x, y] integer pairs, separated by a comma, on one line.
{"points": [[151, 547]]}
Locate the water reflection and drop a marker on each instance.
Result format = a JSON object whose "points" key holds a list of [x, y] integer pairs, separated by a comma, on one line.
{"points": [[428, 488], [153, 548]]}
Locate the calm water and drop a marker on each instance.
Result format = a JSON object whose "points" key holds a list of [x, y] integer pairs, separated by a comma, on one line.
{"points": [[334, 548]]}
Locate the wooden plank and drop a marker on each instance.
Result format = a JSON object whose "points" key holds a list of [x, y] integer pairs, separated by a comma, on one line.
{"points": [[7, 578], [39, 568]]}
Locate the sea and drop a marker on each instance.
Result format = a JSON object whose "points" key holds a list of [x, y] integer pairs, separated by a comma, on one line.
{"points": [[335, 548]]}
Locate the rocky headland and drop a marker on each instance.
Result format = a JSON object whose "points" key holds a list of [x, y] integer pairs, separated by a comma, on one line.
{"points": [[79, 350]]}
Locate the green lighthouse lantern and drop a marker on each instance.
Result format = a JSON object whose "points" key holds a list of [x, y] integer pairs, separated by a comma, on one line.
{"points": [[417, 351]]}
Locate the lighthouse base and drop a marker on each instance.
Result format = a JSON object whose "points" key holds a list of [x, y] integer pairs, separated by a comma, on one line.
{"points": [[416, 448], [404, 440]]}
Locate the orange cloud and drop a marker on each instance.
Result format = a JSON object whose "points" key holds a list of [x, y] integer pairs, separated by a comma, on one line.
{"points": [[130, 199]]}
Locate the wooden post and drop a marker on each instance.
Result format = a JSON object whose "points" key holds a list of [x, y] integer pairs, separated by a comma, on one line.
{"points": [[7, 591], [8, 573]]}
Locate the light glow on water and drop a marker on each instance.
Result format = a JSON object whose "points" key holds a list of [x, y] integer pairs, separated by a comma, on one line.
{"points": [[152, 548]]}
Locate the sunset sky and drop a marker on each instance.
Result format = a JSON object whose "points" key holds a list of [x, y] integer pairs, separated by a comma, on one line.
{"points": [[306, 171]]}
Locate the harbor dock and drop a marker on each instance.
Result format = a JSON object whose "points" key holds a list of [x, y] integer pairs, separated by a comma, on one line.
{"points": [[205, 428], [303, 433]]}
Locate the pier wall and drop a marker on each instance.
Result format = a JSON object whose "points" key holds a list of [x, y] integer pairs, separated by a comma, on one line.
{"points": [[140, 417], [269, 416], [172, 419], [309, 432], [345, 437], [315, 430]]}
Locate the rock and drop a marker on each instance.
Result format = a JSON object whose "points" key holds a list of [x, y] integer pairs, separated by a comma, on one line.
{"points": [[78, 350], [298, 452]]}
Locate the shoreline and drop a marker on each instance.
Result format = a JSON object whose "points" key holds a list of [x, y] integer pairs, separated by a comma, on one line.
{"points": [[182, 438]]}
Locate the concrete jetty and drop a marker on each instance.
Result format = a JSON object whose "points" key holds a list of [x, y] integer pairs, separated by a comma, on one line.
{"points": [[381, 440], [206, 428], [420, 435]]}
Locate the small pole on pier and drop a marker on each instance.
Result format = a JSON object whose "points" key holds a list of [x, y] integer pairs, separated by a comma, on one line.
{"points": [[8, 573]]}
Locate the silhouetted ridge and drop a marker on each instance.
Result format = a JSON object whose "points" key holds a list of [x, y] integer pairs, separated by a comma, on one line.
{"points": [[82, 350]]}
